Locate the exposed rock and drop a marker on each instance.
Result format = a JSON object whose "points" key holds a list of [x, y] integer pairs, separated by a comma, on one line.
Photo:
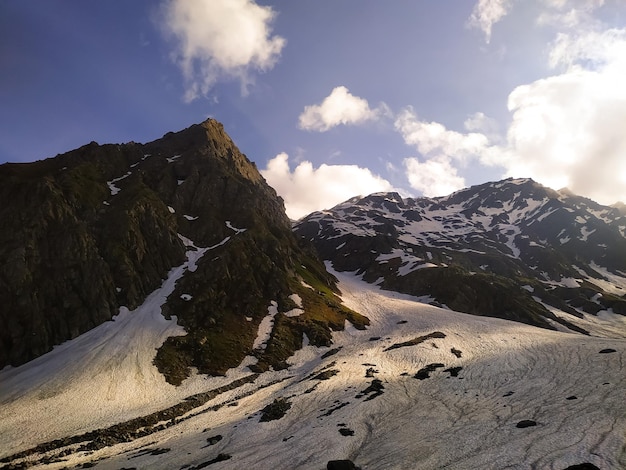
{"points": [[214, 439], [582, 466], [454, 371], [424, 372], [375, 389], [341, 465], [416, 341], [456, 352], [526, 423], [275, 410], [607, 351], [325, 375]]}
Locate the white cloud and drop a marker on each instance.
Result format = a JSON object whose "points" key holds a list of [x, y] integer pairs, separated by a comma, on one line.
{"points": [[220, 39], [479, 122], [308, 189], [434, 177], [569, 13], [568, 130], [486, 13], [340, 107], [565, 130], [434, 139]]}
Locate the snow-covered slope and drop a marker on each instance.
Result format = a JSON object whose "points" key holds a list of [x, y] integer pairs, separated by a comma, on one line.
{"points": [[553, 257], [422, 388]]}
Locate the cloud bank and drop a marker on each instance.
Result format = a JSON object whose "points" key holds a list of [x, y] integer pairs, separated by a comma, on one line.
{"points": [[566, 130], [307, 189], [340, 107], [220, 39]]}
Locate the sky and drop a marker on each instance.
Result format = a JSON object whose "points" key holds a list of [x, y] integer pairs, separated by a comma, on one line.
{"points": [[332, 99]]}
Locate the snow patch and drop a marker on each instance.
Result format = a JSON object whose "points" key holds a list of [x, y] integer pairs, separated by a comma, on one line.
{"points": [[265, 327], [111, 184]]}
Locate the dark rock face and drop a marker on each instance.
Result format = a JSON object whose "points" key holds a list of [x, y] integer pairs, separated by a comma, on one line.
{"points": [[505, 249], [101, 226]]}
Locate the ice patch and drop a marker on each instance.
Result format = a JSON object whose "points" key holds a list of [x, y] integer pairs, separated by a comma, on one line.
{"points": [[171, 209], [189, 217], [173, 159]]}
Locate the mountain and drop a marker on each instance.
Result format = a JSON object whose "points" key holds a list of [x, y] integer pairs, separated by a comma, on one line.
{"points": [[512, 249], [100, 227], [160, 311]]}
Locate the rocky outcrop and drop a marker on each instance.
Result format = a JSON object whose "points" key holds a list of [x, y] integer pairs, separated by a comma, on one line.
{"points": [[101, 226]]}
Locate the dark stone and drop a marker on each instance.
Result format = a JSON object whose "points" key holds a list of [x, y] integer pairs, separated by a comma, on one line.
{"points": [[275, 410], [526, 423], [582, 466], [607, 351], [346, 432], [214, 439], [330, 352], [573, 397], [375, 389], [416, 341], [456, 352], [325, 375], [424, 372], [341, 465], [454, 371]]}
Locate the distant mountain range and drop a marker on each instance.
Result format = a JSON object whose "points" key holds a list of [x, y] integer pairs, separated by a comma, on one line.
{"points": [[511, 249], [159, 310]]}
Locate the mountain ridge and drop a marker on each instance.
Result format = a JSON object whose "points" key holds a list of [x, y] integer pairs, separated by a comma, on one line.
{"points": [[513, 241], [99, 228]]}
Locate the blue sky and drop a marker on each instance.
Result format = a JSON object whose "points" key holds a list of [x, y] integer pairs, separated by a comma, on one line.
{"points": [[332, 98]]}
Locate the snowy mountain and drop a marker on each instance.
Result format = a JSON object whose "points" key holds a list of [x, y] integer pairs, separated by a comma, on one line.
{"points": [[512, 249], [160, 313]]}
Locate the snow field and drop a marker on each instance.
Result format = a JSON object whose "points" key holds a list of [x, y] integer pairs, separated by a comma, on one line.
{"points": [[510, 372]]}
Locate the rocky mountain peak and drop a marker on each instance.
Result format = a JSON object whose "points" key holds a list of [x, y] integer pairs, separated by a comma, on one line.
{"points": [[100, 227]]}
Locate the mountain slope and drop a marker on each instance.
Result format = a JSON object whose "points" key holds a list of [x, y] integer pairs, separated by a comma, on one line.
{"points": [[511, 249], [99, 228], [422, 388]]}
